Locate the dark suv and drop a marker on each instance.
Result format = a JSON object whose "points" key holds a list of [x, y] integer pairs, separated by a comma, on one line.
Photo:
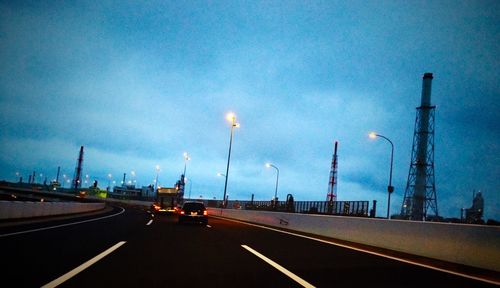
{"points": [[193, 212]]}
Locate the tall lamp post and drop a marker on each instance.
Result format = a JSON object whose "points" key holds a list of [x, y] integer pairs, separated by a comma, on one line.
{"points": [[232, 118], [186, 158], [269, 165], [110, 176], [390, 188], [157, 167]]}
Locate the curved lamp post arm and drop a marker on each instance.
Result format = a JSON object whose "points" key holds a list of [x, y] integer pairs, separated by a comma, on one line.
{"points": [[390, 188]]}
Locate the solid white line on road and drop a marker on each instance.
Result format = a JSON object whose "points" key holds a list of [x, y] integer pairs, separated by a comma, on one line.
{"points": [[280, 268], [367, 251], [82, 267], [150, 221], [209, 226], [62, 225]]}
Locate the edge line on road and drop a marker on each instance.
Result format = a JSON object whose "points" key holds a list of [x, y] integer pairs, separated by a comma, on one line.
{"points": [[62, 225], [280, 268], [72, 273], [365, 251]]}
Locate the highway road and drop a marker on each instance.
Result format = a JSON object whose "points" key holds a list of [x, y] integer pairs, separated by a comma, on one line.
{"points": [[128, 247]]}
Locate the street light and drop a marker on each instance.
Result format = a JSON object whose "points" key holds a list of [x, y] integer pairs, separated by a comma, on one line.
{"points": [[390, 188], [157, 167], [231, 118], [109, 182], [186, 158], [269, 165]]}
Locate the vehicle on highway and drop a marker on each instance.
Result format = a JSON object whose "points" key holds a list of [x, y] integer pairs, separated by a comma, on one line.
{"points": [[167, 201], [193, 212]]}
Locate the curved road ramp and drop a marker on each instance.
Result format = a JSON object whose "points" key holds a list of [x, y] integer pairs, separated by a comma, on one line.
{"points": [[22, 209]]}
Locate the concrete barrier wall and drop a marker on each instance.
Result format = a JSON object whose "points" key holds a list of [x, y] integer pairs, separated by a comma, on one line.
{"points": [[21, 209], [472, 245]]}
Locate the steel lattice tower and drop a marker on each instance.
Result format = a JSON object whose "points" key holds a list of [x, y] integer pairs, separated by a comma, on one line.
{"points": [[332, 184], [420, 193]]}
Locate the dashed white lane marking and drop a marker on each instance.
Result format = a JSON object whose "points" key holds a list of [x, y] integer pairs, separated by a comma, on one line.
{"points": [[209, 226], [82, 267], [150, 221], [280, 268], [62, 225]]}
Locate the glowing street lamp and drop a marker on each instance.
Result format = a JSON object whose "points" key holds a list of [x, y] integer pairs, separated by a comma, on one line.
{"points": [[269, 165], [390, 188], [157, 167], [110, 176], [186, 158], [231, 117]]}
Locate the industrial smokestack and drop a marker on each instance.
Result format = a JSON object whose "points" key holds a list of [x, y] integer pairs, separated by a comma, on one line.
{"points": [[58, 171], [78, 170], [426, 90], [124, 176], [420, 191]]}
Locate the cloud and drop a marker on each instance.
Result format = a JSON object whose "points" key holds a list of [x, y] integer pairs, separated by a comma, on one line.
{"points": [[138, 85]]}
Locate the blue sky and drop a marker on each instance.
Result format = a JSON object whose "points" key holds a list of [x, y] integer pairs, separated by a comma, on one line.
{"points": [[139, 84]]}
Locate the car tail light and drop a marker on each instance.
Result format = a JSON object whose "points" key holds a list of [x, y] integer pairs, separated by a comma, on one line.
{"points": [[205, 213], [182, 212]]}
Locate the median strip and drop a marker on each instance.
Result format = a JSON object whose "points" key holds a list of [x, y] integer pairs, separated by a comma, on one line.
{"points": [[82, 267], [280, 268]]}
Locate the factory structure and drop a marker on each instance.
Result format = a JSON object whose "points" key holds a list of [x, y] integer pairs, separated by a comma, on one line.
{"points": [[474, 214], [420, 195]]}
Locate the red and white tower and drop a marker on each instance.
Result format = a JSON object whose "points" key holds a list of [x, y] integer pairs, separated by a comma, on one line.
{"points": [[332, 185]]}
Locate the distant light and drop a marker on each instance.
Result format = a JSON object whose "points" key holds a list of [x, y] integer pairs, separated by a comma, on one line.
{"points": [[268, 165], [231, 116], [373, 135]]}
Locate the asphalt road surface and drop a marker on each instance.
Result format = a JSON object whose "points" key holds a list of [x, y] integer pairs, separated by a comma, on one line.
{"points": [[128, 247]]}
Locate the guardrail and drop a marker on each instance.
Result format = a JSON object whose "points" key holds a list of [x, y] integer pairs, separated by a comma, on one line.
{"points": [[343, 208], [471, 245]]}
